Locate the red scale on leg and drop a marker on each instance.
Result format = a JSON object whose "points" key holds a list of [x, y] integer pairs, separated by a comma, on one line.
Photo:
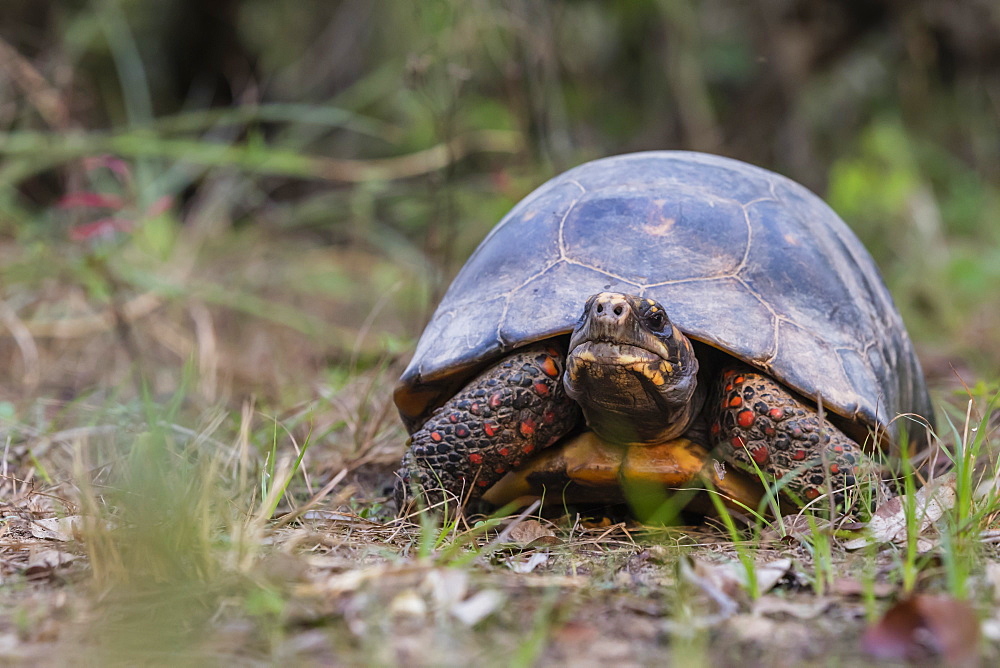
{"points": [[482, 425], [772, 427], [549, 367]]}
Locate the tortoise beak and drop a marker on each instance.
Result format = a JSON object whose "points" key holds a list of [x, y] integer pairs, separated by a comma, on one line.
{"points": [[610, 317]]}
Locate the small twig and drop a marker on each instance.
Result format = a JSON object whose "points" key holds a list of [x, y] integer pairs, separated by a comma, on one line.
{"points": [[505, 534], [620, 525], [276, 162], [319, 496]]}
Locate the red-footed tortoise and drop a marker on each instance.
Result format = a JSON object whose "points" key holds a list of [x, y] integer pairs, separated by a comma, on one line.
{"points": [[725, 310]]}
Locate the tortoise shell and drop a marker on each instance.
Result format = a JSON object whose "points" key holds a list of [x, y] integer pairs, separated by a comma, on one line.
{"points": [[743, 259]]}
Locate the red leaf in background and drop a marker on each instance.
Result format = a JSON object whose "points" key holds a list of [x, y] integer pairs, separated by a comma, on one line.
{"points": [[501, 181], [115, 165], [103, 228], [923, 626], [161, 205], [90, 200]]}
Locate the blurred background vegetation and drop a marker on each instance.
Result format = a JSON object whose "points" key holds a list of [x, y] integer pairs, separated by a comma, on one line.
{"points": [[305, 176]]}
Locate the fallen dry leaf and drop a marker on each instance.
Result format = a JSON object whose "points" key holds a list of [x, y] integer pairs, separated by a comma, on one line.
{"points": [[62, 529], [408, 603], [446, 586], [770, 573], [772, 605], [477, 607], [722, 582], [923, 626], [531, 534], [848, 586], [888, 523], [43, 563], [793, 526], [731, 576], [526, 565]]}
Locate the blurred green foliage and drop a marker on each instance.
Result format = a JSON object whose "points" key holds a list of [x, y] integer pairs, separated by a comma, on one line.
{"points": [[360, 125]]}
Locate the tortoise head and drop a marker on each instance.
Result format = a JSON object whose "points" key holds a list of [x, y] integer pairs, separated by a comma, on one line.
{"points": [[632, 371]]}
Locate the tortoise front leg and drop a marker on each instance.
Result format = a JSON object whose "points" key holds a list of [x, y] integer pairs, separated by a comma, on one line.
{"points": [[511, 410], [757, 421]]}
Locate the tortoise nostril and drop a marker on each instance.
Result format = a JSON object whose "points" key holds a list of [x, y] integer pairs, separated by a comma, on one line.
{"points": [[618, 310], [600, 308]]}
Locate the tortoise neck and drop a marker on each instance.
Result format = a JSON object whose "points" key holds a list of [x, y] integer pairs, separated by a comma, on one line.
{"points": [[625, 404], [637, 425]]}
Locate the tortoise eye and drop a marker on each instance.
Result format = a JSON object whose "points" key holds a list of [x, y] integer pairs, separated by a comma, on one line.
{"points": [[655, 321]]}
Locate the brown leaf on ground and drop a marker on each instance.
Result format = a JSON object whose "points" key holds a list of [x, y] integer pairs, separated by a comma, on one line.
{"points": [[849, 586], [721, 582], [924, 626], [532, 533], [731, 577], [44, 563], [726, 584], [888, 523], [770, 573], [805, 608], [62, 529], [793, 527]]}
